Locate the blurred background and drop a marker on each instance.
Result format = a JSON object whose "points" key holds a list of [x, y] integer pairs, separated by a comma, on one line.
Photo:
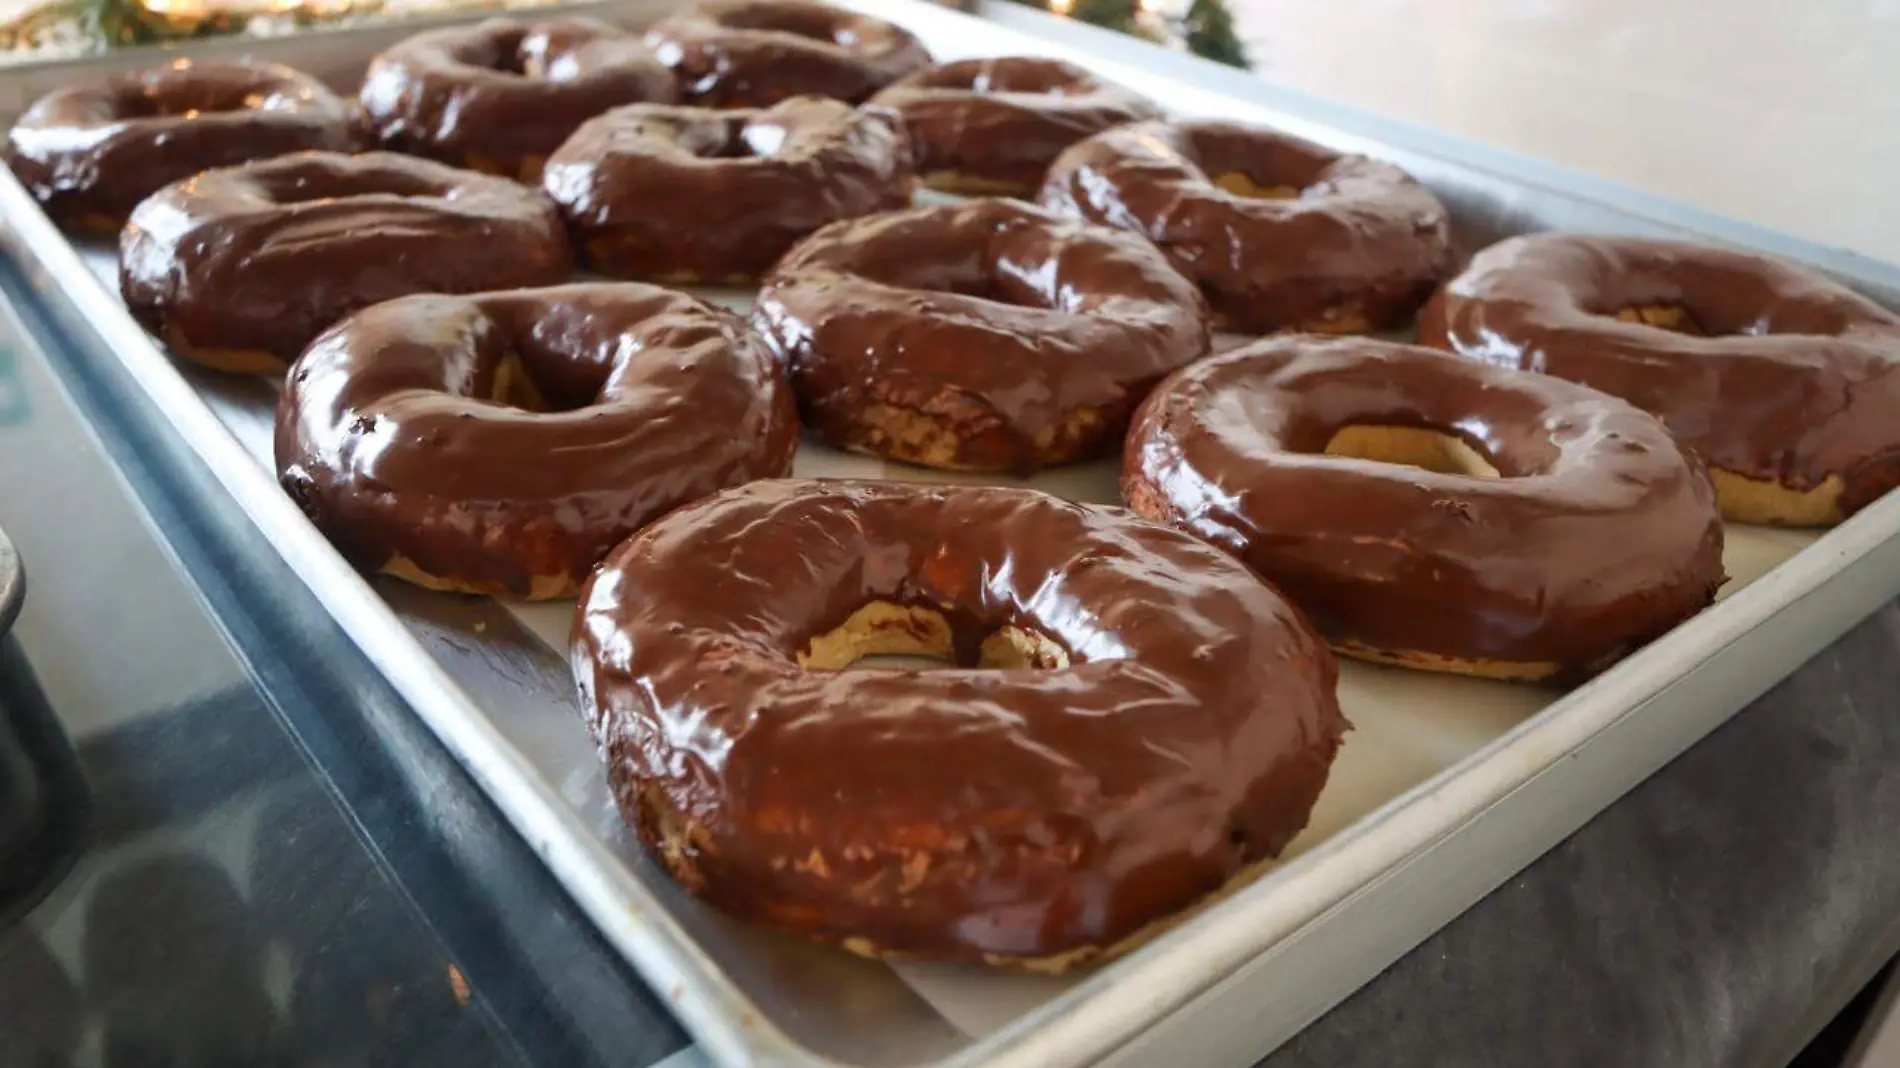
{"points": [[1782, 113]]}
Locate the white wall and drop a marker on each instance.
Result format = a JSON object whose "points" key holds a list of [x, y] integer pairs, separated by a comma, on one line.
{"points": [[1785, 113]]}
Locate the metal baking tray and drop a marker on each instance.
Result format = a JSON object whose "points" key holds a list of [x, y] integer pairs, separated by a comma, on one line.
{"points": [[1447, 787]]}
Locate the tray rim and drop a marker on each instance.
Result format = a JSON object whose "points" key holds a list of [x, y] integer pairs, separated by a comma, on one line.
{"points": [[1090, 1021]]}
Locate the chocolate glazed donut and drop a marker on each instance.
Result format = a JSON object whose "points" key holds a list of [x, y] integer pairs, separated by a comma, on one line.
{"points": [[240, 268], [1432, 512], [755, 53], [90, 152], [499, 96], [1279, 232], [981, 336], [502, 443], [1787, 383], [995, 125], [1154, 725], [690, 195]]}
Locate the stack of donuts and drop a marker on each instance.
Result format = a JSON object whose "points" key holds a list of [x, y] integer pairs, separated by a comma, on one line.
{"points": [[1138, 708]]}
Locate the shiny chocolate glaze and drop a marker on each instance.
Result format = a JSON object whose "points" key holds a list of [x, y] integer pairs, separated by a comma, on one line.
{"points": [[755, 53], [1796, 382], [1008, 816], [1601, 534], [399, 435], [90, 152], [990, 315], [692, 194], [1001, 122], [500, 95], [263, 256], [1360, 238]]}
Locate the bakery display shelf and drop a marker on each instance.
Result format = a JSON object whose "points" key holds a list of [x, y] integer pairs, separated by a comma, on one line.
{"points": [[1446, 787]]}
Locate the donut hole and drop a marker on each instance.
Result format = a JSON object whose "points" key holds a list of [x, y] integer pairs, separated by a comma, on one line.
{"points": [[992, 288], [811, 23], [1675, 318], [1245, 186], [884, 634], [510, 56], [513, 387], [734, 138], [515, 384], [1012, 270], [514, 51], [152, 106], [187, 100], [1249, 166], [1410, 446], [518, 61], [1010, 74], [988, 276], [319, 182]]}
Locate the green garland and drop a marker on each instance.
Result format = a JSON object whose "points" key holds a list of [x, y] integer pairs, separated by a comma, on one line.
{"points": [[1207, 30], [127, 24], [1210, 33], [96, 25]]}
